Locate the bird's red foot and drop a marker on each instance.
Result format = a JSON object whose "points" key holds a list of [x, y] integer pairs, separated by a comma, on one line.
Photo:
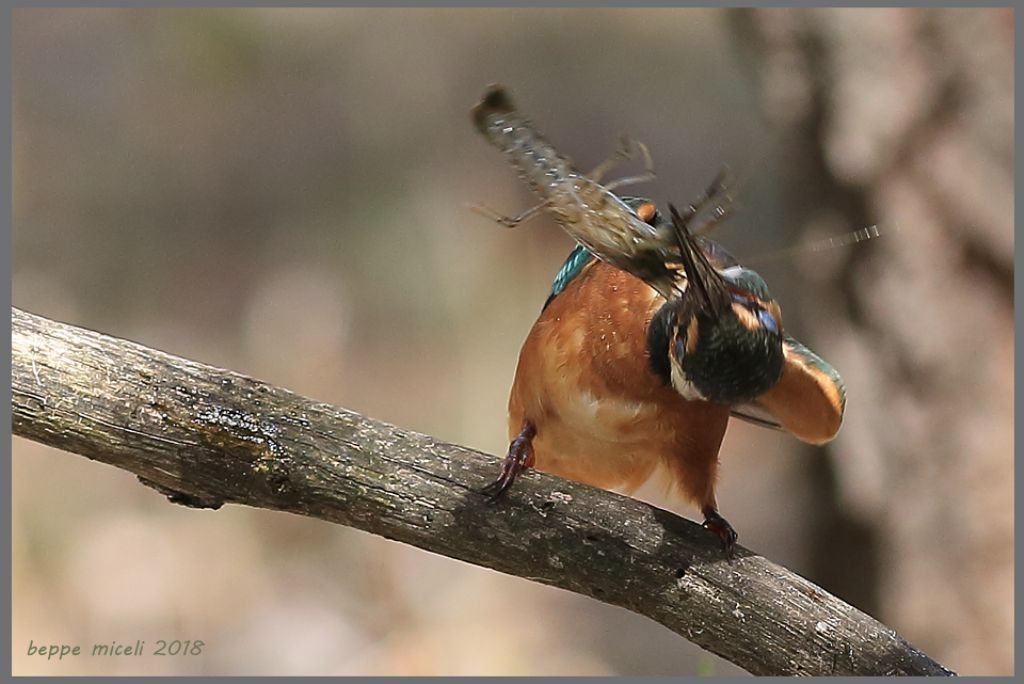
{"points": [[721, 527], [520, 456]]}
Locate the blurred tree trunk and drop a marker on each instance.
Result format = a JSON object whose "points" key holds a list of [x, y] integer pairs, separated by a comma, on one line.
{"points": [[904, 118]]}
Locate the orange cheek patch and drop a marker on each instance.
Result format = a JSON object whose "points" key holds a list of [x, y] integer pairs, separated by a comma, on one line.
{"points": [[745, 317], [775, 311], [691, 337]]}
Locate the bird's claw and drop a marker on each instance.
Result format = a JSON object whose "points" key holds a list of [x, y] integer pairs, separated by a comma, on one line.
{"points": [[520, 456], [496, 489], [718, 525]]}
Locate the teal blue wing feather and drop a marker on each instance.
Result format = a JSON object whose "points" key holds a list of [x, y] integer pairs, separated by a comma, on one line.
{"points": [[574, 264]]}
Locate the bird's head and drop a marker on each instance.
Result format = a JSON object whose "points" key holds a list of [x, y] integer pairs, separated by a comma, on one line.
{"points": [[720, 340]]}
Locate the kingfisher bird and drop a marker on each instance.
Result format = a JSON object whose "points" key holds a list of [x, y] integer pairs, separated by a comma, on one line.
{"points": [[615, 382]]}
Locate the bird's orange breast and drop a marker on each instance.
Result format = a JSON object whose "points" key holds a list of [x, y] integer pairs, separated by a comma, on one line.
{"points": [[584, 380]]}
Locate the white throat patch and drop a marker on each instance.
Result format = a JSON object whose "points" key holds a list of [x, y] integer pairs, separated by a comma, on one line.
{"points": [[683, 385]]}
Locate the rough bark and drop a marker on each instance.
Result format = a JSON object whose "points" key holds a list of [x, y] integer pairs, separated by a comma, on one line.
{"points": [[205, 436]]}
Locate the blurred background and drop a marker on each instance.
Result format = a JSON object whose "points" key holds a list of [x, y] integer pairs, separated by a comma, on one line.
{"points": [[282, 193]]}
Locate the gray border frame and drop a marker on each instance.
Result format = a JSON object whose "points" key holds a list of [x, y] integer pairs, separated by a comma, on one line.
{"points": [[6, 202], [6, 22]]}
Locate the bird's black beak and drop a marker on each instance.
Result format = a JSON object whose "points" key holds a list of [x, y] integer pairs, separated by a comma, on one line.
{"points": [[709, 289]]}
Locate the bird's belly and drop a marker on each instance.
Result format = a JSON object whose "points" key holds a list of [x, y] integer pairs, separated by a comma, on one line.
{"points": [[613, 443], [607, 419], [600, 463]]}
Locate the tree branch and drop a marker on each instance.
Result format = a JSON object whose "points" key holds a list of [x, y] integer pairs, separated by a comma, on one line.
{"points": [[205, 436]]}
